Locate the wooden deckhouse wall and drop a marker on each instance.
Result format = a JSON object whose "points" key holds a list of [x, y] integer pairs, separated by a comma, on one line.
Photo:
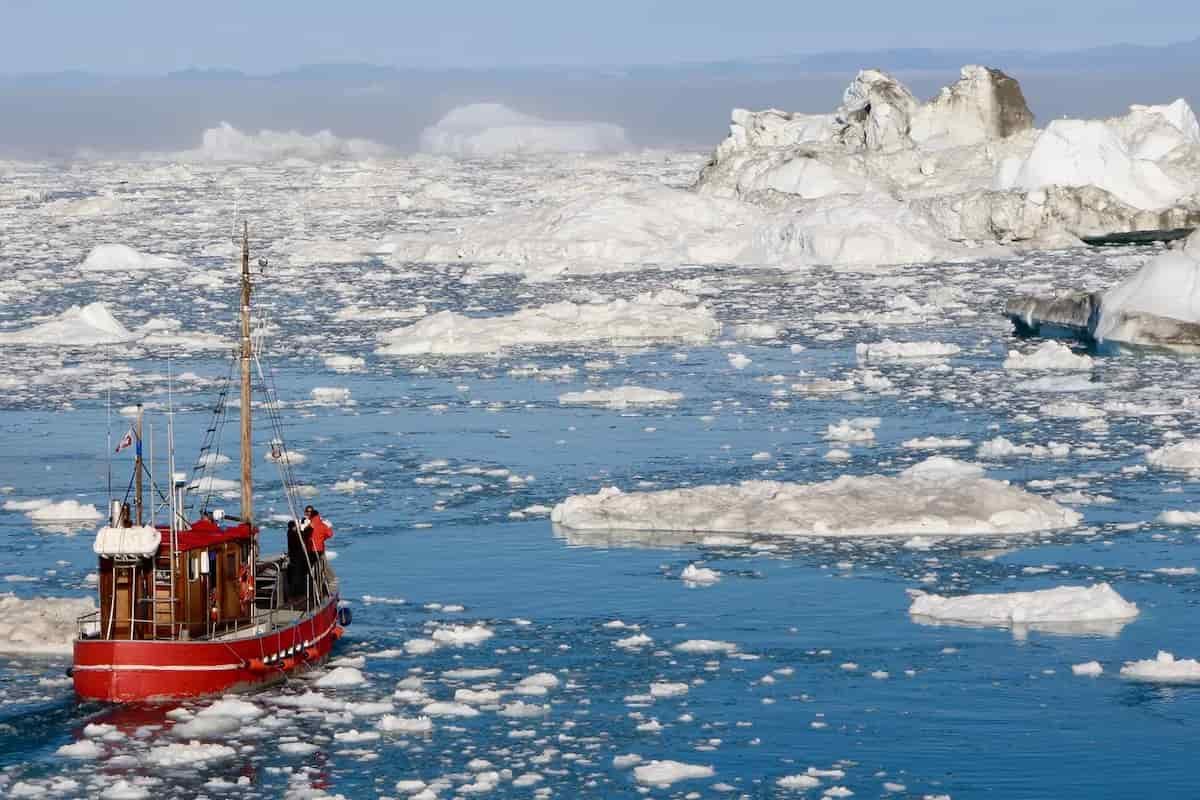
{"points": [[192, 592]]}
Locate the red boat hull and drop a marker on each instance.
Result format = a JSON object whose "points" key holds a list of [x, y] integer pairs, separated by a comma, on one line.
{"points": [[125, 671]]}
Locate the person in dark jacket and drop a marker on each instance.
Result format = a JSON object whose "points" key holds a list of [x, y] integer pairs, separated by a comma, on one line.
{"points": [[298, 560]]}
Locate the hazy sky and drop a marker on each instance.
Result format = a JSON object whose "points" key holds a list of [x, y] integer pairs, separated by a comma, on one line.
{"points": [[139, 37]]}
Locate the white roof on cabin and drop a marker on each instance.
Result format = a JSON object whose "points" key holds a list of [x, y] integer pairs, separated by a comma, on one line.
{"points": [[142, 541]]}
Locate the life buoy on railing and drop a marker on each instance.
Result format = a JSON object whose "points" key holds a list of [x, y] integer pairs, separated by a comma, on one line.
{"points": [[245, 585]]}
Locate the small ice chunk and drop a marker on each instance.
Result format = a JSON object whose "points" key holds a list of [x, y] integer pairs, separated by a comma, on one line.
{"points": [[1163, 668], [665, 773]]}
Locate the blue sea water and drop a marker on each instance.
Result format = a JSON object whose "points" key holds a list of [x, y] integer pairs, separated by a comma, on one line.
{"points": [[823, 667], [962, 712]]}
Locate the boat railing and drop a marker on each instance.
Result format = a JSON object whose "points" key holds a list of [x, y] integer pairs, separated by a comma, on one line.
{"points": [[87, 626], [90, 626]]}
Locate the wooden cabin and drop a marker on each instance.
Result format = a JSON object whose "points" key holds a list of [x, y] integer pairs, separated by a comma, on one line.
{"points": [[206, 590]]}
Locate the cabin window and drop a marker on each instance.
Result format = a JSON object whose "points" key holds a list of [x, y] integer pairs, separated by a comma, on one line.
{"points": [[230, 565], [194, 567]]}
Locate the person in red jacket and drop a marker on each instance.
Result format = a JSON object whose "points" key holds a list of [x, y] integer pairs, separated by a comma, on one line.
{"points": [[317, 531]]}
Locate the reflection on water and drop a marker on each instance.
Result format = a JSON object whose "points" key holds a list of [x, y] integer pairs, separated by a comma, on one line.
{"points": [[1021, 630]]}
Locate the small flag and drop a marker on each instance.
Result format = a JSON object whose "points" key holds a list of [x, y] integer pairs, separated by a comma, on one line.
{"points": [[126, 440]]}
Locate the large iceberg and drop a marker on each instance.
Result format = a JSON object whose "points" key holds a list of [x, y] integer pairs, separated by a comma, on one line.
{"points": [[883, 179], [970, 161], [489, 129], [1158, 305], [123, 258], [939, 496]]}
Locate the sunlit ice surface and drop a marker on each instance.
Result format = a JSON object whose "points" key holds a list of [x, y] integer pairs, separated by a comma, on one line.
{"points": [[493, 652]]}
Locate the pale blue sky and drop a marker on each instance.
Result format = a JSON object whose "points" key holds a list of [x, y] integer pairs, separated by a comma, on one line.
{"points": [[140, 37]]}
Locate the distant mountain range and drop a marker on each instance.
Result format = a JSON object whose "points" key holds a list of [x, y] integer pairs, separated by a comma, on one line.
{"points": [[1177, 56]]}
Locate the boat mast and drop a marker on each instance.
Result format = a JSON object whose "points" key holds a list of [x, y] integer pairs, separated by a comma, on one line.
{"points": [[137, 465], [247, 353]]}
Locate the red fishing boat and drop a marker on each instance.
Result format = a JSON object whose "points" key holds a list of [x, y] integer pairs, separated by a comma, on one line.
{"points": [[188, 607]]}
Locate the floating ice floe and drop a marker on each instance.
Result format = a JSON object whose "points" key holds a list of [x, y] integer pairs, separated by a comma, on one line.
{"points": [[699, 576], [856, 430], [1001, 447], [331, 396], [192, 753], [78, 326], [341, 677], [665, 316], [1163, 668], [1183, 456], [84, 749], [1048, 355], [1064, 609], [343, 363], [888, 350], [665, 773], [65, 515], [490, 129], [390, 723], [94, 325], [40, 626], [123, 258], [620, 397], [1174, 517], [797, 783], [938, 496]]}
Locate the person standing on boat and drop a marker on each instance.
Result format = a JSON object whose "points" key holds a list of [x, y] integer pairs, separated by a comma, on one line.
{"points": [[318, 532], [298, 560]]}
